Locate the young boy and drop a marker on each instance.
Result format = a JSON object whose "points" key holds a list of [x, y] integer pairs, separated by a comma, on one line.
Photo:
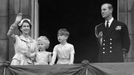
{"points": [[42, 56], [64, 51]]}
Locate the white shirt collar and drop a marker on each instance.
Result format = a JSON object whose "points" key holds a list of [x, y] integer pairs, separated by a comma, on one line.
{"points": [[110, 21]]}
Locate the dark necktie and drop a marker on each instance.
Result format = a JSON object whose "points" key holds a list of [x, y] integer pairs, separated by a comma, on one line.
{"points": [[107, 25]]}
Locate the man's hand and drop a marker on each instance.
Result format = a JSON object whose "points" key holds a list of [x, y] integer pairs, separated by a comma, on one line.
{"points": [[100, 34]]}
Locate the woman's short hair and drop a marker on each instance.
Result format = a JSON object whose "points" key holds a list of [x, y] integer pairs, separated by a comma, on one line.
{"points": [[25, 20]]}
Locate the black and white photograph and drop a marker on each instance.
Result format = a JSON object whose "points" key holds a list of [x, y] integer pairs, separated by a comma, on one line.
{"points": [[66, 37]]}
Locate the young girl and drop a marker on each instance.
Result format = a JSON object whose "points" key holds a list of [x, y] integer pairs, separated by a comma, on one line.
{"points": [[42, 56], [64, 51]]}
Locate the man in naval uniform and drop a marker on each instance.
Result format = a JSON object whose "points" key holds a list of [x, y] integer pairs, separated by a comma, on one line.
{"points": [[113, 37]]}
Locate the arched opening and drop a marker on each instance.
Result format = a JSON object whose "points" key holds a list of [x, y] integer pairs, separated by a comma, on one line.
{"points": [[79, 17]]}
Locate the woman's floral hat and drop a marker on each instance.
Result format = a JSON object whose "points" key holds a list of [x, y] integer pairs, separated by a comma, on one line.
{"points": [[21, 22]]}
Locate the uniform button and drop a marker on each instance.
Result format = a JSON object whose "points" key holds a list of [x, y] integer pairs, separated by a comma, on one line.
{"points": [[110, 47], [103, 40], [110, 43], [111, 39], [110, 51], [103, 52], [103, 48], [103, 44]]}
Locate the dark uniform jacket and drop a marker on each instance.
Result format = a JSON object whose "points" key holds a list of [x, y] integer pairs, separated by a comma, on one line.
{"points": [[113, 41]]}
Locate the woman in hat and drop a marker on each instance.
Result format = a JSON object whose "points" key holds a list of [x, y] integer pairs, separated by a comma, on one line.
{"points": [[24, 44]]}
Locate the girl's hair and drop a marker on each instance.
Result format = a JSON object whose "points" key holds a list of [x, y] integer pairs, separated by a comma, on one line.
{"points": [[44, 39], [25, 20], [63, 31]]}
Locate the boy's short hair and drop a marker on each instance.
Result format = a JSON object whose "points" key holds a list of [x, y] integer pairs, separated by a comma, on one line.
{"points": [[44, 39], [63, 31]]}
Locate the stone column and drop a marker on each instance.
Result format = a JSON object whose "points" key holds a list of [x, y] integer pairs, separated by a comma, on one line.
{"points": [[126, 15], [3, 30], [35, 18]]}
